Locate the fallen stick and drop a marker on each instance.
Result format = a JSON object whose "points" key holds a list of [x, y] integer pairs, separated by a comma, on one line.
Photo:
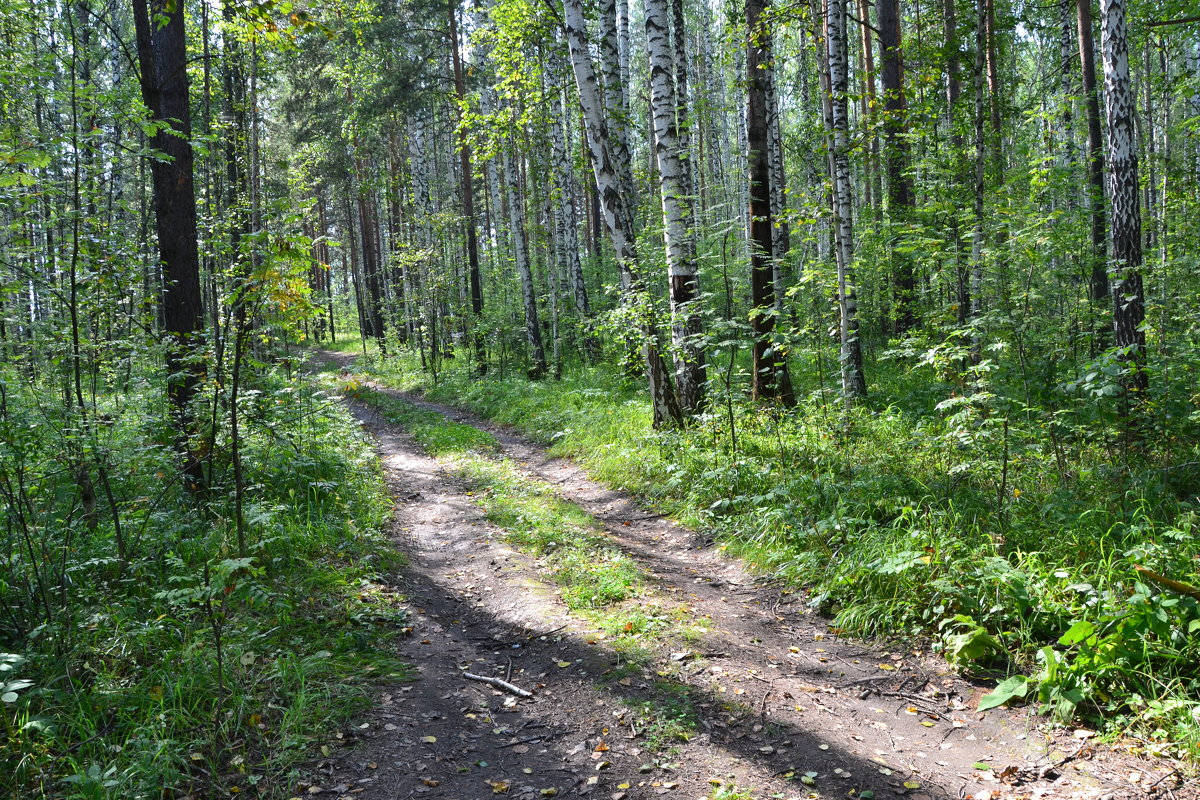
{"points": [[1176, 586], [499, 684]]}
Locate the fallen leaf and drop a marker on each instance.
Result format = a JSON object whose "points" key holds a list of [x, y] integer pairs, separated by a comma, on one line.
{"points": [[498, 787], [912, 784], [430, 782], [564, 664], [601, 748], [429, 739]]}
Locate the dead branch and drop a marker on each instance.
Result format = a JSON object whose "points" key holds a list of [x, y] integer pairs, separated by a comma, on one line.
{"points": [[499, 684]]}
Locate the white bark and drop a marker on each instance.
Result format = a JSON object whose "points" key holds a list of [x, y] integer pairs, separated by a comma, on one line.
{"points": [[565, 211], [614, 205], [677, 211], [1127, 292], [853, 382], [516, 224]]}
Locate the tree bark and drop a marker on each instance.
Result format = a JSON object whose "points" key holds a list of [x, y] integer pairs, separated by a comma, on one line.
{"points": [[520, 242], [854, 385], [769, 378], [162, 57], [896, 155], [678, 214], [566, 213], [1129, 309], [1095, 157], [618, 217], [468, 200], [958, 177]]}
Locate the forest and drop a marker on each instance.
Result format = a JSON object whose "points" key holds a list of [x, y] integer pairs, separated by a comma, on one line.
{"points": [[896, 303]]}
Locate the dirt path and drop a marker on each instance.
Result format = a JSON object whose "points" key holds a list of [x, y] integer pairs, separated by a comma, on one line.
{"points": [[781, 706]]}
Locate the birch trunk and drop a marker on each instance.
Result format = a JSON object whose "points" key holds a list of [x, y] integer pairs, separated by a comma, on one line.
{"points": [[614, 206], [614, 61], [1127, 293], [566, 212], [520, 243], [686, 328], [854, 385]]}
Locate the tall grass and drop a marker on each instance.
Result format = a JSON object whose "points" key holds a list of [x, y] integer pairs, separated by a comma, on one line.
{"points": [[189, 668]]}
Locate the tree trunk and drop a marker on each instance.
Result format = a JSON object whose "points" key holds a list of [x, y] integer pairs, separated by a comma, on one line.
{"points": [[896, 156], [854, 385], [162, 56], [1095, 157], [516, 224], [614, 55], [618, 216], [678, 214], [1129, 310], [566, 215], [468, 201], [958, 178], [769, 379], [977, 233]]}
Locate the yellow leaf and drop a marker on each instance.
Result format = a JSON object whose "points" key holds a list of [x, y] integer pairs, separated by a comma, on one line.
{"points": [[429, 739], [498, 787], [886, 667], [912, 784], [564, 664]]}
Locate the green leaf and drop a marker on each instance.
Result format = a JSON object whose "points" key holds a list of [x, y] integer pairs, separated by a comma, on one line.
{"points": [[1012, 688], [1077, 633]]}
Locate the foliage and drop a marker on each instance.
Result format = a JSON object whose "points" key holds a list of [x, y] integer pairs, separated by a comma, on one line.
{"points": [[182, 666]]}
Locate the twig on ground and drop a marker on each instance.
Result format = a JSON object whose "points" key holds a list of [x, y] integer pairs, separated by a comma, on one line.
{"points": [[499, 684]]}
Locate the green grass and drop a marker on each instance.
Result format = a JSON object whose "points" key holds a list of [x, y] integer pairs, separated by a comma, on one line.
{"points": [[923, 515], [127, 697], [668, 718]]}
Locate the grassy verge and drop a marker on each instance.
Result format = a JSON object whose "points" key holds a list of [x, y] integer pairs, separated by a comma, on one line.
{"points": [[1007, 536], [190, 668]]}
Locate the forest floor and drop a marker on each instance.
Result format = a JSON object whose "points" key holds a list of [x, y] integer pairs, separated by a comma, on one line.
{"points": [[745, 692]]}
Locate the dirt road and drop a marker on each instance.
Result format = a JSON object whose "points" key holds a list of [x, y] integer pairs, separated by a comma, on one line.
{"points": [[771, 701]]}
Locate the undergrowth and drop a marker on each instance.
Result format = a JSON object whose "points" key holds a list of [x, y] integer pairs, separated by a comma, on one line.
{"points": [[988, 527], [187, 667]]}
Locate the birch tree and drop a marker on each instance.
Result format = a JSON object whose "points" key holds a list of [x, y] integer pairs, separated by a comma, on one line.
{"points": [[618, 216], [854, 384], [678, 213], [1129, 311]]}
